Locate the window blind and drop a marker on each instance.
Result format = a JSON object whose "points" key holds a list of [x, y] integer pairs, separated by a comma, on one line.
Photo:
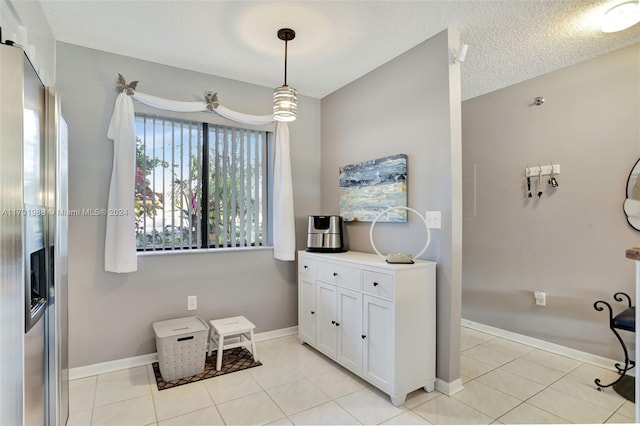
{"points": [[199, 185]]}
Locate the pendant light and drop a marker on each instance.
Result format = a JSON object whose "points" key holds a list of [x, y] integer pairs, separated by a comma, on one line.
{"points": [[285, 98], [621, 16]]}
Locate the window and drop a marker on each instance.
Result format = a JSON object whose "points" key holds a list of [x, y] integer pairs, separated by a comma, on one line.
{"points": [[199, 185]]}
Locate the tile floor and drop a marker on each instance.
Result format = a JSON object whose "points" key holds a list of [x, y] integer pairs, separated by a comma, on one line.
{"points": [[504, 383]]}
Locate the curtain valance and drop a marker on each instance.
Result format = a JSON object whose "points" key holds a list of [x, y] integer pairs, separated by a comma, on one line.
{"points": [[120, 241]]}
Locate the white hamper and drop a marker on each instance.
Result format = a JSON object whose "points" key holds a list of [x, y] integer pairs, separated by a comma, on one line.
{"points": [[182, 346]]}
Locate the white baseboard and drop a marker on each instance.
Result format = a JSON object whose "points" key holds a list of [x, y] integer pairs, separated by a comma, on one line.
{"points": [[448, 388], [137, 361], [109, 366], [274, 334], [596, 360]]}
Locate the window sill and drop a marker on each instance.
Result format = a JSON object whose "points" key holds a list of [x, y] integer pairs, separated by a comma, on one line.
{"points": [[201, 251]]}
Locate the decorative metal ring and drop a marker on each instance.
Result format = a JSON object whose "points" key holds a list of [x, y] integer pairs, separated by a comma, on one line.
{"points": [[424, 220]]}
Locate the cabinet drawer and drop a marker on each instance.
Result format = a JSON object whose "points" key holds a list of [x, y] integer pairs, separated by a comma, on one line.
{"points": [[338, 274], [307, 266], [377, 284]]}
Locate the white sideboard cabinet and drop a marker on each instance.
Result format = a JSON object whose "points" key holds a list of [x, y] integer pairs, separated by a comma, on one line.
{"points": [[376, 319]]}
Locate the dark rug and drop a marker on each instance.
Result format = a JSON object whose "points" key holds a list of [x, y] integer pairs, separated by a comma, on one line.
{"points": [[235, 359], [626, 388]]}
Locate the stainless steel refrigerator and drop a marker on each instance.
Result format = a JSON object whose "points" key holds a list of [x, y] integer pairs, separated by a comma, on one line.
{"points": [[33, 248]]}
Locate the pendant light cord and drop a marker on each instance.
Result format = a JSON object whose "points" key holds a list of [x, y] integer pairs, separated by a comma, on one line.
{"points": [[285, 61]]}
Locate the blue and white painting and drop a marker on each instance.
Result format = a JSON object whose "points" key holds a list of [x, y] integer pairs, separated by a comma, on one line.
{"points": [[369, 187]]}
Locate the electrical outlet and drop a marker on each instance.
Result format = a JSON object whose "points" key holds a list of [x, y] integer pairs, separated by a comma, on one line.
{"points": [[434, 219], [541, 298], [192, 303]]}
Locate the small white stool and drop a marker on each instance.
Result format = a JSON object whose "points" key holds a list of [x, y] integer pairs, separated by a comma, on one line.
{"points": [[229, 327]]}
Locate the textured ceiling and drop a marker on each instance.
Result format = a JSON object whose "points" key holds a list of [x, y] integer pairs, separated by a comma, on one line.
{"points": [[339, 41]]}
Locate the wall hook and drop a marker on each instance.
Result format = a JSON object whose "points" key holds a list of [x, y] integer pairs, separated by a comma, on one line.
{"points": [[539, 181], [552, 178], [538, 101]]}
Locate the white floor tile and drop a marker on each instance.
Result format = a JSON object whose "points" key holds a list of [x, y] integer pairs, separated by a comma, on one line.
{"points": [[509, 383], [590, 372], [587, 391], [489, 355], [288, 349], [533, 371], [205, 417], [497, 374], [122, 385], [297, 396], [369, 406], [628, 409], [470, 338], [311, 363], [132, 412], [617, 418], [419, 397], [528, 414], [254, 409], [507, 346], [337, 383], [267, 355], [472, 368], [449, 411], [568, 407], [269, 376], [82, 393], [329, 413], [281, 422], [231, 386], [80, 418], [181, 400], [485, 399], [557, 362], [407, 418]]}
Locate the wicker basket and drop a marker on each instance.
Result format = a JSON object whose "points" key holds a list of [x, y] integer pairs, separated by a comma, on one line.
{"points": [[182, 347]]}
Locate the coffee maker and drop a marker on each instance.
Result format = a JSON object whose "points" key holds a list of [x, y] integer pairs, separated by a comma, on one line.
{"points": [[324, 234]]}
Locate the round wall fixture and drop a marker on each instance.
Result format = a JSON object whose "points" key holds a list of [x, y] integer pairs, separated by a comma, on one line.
{"points": [[399, 257], [621, 16]]}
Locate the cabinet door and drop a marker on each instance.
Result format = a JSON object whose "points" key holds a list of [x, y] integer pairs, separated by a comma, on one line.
{"points": [[377, 360], [307, 309], [326, 318], [350, 330]]}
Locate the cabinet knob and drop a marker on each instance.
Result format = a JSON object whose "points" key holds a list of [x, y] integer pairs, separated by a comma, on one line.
{"points": [[375, 284], [333, 322], [335, 274], [364, 336], [337, 324], [313, 312], [306, 267]]}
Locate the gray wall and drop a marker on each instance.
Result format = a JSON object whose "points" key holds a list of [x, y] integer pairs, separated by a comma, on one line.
{"points": [[571, 242], [409, 105], [37, 38], [110, 315]]}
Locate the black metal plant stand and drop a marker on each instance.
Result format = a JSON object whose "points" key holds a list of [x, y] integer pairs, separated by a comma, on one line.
{"points": [[625, 320]]}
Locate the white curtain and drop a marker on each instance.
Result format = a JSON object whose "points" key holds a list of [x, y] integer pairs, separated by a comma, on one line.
{"points": [[284, 233], [120, 242], [120, 239]]}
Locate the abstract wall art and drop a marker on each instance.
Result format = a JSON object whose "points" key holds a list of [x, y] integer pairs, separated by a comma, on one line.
{"points": [[369, 187]]}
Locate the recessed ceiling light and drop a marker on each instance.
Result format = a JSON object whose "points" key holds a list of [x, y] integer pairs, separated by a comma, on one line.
{"points": [[621, 17]]}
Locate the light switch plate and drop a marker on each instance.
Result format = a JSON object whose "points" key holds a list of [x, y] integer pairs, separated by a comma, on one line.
{"points": [[192, 303], [434, 219]]}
